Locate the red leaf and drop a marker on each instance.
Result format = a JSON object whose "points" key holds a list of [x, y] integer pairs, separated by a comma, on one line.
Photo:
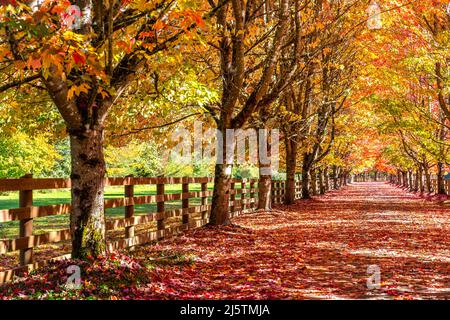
{"points": [[79, 58]]}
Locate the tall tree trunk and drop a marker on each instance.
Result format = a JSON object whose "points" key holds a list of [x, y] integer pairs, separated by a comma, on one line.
{"points": [[305, 184], [291, 166], [410, 179], [427, 180], [405, 179], [221, 195], [265, 191], [265, 175], [440, 179], [399, 178], [376, 176], [87, 220], [345, 178], [420, 179], [326, 178], [335, 177], [416, 181], [220, 201], [322, 189], [306, 176], [314, 182]]}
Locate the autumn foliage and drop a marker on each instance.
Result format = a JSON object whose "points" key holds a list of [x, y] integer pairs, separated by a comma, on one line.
{"points": [[354, 88]]}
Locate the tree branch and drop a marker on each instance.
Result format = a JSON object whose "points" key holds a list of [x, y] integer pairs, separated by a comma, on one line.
{"points": [[137, 130], [17, 83]]}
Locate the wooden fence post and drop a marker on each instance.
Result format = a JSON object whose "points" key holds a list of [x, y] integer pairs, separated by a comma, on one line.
{"points": [[204, 200], [232, 197], [129, 210], [252, 195], [26, 225], [185, 203], [160, 190], [243, 195], [272, 192], [277, 192]]}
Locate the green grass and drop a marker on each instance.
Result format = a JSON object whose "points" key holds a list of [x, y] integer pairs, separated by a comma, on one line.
{"points": [[10, 230]]}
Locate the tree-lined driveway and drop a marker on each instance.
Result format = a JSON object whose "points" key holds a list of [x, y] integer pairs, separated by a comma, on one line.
{"points": [[325, 248]]}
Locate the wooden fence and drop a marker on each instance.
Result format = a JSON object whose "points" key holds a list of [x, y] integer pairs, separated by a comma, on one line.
{"points": [[279, 191], [370, 178], [192, 216], [434, 183]]}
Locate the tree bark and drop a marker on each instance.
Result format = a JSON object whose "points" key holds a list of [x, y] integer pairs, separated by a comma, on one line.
{"points": [[308, 160], [416, 181], [265, 169], [322, 189], [265, 191], [87, 220], [427, 180], [440, 179], [220, 202], [326, 178], [420, 179], [345, 178], [410, 179], [221, 195], [291, 166], [305, 184], [405, 179], [335, 178], [313, 182]]}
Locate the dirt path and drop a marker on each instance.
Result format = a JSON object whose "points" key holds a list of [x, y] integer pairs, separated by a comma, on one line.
{"points": [[316, 249]]}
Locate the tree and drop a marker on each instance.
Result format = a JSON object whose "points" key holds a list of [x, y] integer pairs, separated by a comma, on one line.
{"points": [[85, 56], [248, 38], [319, 92]]}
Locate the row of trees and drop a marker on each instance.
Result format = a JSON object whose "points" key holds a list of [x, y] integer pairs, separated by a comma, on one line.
{"points": [[112, 72], [414, 113]]}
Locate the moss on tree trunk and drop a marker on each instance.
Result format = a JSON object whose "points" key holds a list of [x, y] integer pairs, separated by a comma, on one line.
{"points": [[87, 220]]}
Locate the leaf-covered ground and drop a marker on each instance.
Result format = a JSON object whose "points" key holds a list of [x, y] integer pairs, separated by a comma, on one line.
{"points": [[316, 249]]}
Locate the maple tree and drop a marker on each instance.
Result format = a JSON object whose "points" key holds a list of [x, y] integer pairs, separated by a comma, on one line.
{"points": [[85, 59], [245, 30]]}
